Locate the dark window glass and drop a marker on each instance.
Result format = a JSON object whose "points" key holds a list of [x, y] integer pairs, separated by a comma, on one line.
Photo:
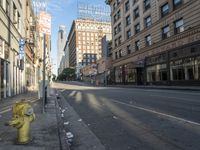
{"points": [[127, 6], [116, 55], [147, 21], [128, 20], [115, 18], [165, 32], [120, 53], [190, 73], [115, 30], [137, 28], [115, 42], [137, 45], [120, 40], [118, 2], [119, 14], [147, 4], [119, 27], [163, 75], [114, 6], [128, 49], [177, 3], [178, 26], [164, 9], [136, 13], [148, 40], [128, 34]]}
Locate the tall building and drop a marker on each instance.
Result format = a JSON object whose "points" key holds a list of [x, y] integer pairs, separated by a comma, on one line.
{"points": [[85, 42], [156, 42], [60, 45]]}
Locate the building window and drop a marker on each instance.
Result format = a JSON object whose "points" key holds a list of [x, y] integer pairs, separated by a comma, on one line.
{"points": [[134, 2], [114, 6], [128, 49], [137, 45], [119, 27], [115, 30], [115, 42], [165, 32], [115, 18], [136, 13], [128, 34], [119, 40], [177, 3], [148, 40], [137, 28], [116, 55], [147, 4], [119, 14], [178, 26], [127, 6], [128, 20], [120, 53], [164, 9], [118, 2], [147, 21]]}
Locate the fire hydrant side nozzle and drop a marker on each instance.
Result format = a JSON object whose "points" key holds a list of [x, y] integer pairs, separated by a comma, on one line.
{"points": [[22, 116]]}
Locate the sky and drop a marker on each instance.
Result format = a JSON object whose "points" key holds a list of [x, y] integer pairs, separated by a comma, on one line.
{"points": [[63, 12]]}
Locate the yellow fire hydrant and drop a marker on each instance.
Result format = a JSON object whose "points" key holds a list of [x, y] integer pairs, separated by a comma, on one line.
{"points": [[22, 117]]}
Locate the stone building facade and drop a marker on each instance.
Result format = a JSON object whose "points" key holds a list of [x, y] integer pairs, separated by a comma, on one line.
{"points": [[16, 46], [85, 39], [156, 41]]}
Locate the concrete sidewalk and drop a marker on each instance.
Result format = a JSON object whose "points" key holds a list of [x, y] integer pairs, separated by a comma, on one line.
{"points": [[44, 130]]}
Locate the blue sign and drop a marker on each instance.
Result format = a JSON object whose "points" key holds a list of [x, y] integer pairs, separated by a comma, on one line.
{"points": [[21, 48]]}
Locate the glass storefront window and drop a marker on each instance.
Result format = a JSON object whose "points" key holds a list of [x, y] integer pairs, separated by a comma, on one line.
{"points": [[157, 73], [2, 78], [118, 74], [197, 65], [163, 75], [130, 73], [183, 69]]}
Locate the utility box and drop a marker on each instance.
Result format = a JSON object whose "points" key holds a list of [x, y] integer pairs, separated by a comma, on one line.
{"points": [[40, 89]]}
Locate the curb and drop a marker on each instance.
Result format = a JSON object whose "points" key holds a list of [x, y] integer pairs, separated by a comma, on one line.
{"points": [[62, 138]]}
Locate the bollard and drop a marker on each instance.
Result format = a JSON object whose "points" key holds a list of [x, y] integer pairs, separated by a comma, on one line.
{"points": [[22, 116], [45, 95]]}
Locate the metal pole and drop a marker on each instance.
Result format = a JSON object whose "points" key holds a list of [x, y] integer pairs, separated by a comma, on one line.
{"points": [[43, 88]]}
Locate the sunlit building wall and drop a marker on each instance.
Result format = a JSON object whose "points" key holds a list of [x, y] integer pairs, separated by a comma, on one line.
{"points": [[85, 38], [156, 42]]}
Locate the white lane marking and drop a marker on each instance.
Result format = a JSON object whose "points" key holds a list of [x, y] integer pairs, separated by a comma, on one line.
{"points": [[4, 111], [72, 93], [156, 112]]}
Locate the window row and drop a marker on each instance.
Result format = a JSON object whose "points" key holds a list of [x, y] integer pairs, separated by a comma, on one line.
{"points": [[165, 9], [178, 28], [165, 31], [118, 41], [146, 4]]}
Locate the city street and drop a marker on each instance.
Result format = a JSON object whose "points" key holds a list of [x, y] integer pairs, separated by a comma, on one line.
{"points": [[140, 119]]}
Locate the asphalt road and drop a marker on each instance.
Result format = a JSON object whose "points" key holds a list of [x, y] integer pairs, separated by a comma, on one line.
{"points": [[137, 119]]}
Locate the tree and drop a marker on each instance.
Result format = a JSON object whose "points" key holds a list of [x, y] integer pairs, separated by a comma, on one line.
{"points": [[67, 74]]}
